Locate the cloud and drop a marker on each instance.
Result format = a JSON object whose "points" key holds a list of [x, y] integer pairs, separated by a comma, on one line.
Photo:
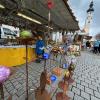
{"points": [[80, 7]]}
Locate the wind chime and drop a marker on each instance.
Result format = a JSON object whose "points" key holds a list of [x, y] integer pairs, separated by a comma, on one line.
{"points": [[64, 86], [41, 93], [50, 6]]}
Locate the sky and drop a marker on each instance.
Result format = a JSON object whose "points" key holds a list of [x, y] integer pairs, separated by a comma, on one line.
{"points": [[79, 8]]}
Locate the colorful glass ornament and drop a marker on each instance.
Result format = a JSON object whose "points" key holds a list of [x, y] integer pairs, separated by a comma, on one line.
{"points": [[46, 56], [53, 78], [65, 66]]}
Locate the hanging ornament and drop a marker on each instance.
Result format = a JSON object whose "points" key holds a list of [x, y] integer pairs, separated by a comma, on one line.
{"points": [[53, 78], [26, 34], [50, 4]]}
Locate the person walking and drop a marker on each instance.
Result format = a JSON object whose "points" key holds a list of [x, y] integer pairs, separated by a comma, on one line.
{"points": [[99, 46], [96, 46]]}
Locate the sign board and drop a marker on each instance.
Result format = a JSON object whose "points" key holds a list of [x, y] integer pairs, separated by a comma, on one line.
{"points": [[10, 32]]}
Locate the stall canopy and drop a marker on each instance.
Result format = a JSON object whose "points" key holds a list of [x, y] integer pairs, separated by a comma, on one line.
{"points": [[61, 14]]}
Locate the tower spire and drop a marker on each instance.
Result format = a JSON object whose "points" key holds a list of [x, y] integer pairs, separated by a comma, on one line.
{"points": [[91, 9], [89, 18]]}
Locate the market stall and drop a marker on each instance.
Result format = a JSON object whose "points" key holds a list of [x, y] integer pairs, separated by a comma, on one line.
{"points": [[25, 16]]}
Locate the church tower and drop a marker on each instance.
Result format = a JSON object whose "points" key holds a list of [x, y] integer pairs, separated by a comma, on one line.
{"points": [[89, 18]]}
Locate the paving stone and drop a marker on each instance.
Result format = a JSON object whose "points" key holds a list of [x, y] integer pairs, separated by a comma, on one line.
{"points": [[82, 79], [8, 85], [10, 88], [14, 91], [78, 81], [96, 84], [98, 81], [76, 90], [76, 97], [93, 87], [15, 97], [85, 95], [70, 94], [18, 86], [88, 90], [97, 94], [22, 81], [91, 78], [74, 84], [20, 92], [7, 82], [16, 82], [80, 87], [84, 84], [88, 81], [99, 89], [94, 98]]}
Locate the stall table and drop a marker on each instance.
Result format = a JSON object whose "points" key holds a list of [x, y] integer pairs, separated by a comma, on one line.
{"points": [[15, 55]]}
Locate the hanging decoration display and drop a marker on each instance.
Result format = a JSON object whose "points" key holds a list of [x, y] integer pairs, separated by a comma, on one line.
{"points": [[46, 56], [41, 93], [50, 4], [53, 78], [26, 34], [63, 85]]}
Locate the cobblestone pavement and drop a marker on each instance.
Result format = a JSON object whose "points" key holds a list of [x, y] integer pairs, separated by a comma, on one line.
{"points": [[85, 87], [87, 78]]}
